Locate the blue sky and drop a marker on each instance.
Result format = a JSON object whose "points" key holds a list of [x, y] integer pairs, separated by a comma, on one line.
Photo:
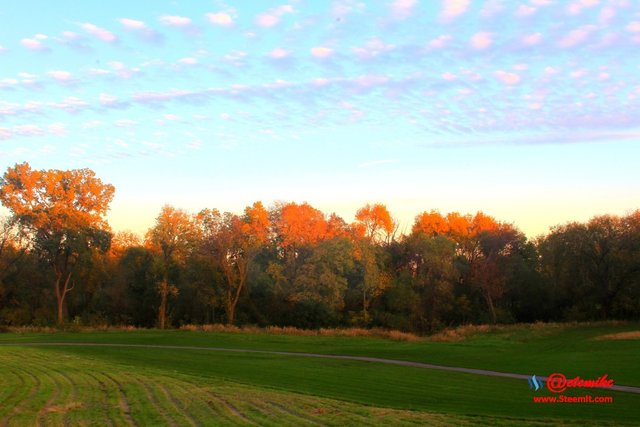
{"points": [[526, 110]]}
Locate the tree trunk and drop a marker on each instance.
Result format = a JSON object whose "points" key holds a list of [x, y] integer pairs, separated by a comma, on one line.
{"points": [[60, 311], [231, 311], [492, 310], [162, 310], [61, 292]]}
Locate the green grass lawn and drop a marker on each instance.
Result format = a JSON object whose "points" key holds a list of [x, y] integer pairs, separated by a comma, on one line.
{"points": [[159, 386]]}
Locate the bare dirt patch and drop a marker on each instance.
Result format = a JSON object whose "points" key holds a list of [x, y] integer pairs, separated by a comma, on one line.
{"points": [[64, 408], [631, 335]]}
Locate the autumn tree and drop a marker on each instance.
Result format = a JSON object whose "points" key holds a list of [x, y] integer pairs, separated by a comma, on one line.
{"points": [[431, 224], [63, 214], [373, 226], [377, 224], [297, 228], [173, 237], [235, 241]]}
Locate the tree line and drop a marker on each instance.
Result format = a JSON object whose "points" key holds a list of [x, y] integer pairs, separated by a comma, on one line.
{"points": [[292, 265]]}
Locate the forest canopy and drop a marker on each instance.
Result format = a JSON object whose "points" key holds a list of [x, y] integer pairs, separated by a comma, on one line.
{"points": [[292, 264]]}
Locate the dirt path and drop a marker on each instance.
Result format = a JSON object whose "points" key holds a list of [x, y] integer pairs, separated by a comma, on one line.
{"points": [[623, 388]]}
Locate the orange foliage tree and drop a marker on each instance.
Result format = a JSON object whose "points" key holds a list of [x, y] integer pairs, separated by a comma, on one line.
{"points": [[472, 235], [300, 225], [173, 236], [63, 213], [235, 241], [377, 222]]}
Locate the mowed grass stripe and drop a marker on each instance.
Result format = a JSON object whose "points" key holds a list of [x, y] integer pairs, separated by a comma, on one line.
{"points": [[27, 410], [11, 385], [204, 406], [58, 412], [123, 402]]}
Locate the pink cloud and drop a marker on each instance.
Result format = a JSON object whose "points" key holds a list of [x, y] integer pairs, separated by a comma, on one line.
{"points": [[28, 130], [451, 9], [121, 70], [491, 8], [221, 19], [141, 29], [576, 36], [107, 100], [61, 76], [371, 80], [279, 53], [100, 33], [403, 9], [577, 6], [372, 48], [578, 74], [57, 129], [439, 42], [33, 44], [272, 17], [70, 105], [175, 21], [188, 61], [606, 15], [542, 2], [507, 78], [634, 27], [449, 76], [5, 134], [132, 24], [525, 10], [2, 49], [532, 39], [125, 123], [482, 40], [266, 20], [321, 52]]}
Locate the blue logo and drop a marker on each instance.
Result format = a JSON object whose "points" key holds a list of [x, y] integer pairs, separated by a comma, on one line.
{"points": [[535, 383]]}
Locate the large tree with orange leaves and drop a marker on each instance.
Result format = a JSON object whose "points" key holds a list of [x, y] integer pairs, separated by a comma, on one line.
{"points": [[173, 237], [376, 223], [63, 213], [235, 240]]}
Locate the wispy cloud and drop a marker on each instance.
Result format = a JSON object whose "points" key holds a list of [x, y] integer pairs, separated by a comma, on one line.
{"points": [[481, 40], [176, 21], [141, 29], [99, 33], [402, 9], [221, 19], [35, 43], [61, 76], [452, 9], [321, 52], [272, 17]]}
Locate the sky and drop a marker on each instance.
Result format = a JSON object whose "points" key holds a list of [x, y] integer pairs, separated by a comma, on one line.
{"points": [[526, 110]]}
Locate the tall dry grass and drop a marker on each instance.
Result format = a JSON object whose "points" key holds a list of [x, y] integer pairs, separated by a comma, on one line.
{"points": [[290, 330]]}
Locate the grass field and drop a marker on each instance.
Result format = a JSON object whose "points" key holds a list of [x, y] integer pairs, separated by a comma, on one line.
{"points": [[141, 386]]}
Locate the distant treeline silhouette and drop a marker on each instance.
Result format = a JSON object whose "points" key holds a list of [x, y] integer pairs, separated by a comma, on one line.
{"points": [[293, 265]]}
